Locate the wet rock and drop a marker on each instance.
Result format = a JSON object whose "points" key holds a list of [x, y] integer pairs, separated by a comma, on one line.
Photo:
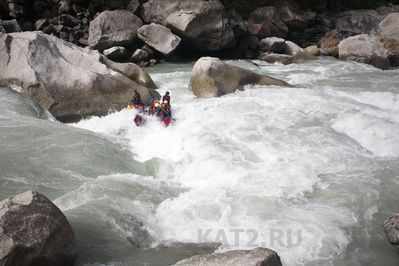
{"points": [[69, 81], [329, 43], [159, 37], [113, 28], [364, 49], [33, 231], [116, 53], [203, 24], [279, 58], [254, 257], [266, 22], [389, 27], [313, 50], [211, 77], [391, 229], [357, 22]]}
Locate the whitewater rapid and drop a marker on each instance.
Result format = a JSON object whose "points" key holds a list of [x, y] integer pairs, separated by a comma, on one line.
{"points": [[310, 171]]}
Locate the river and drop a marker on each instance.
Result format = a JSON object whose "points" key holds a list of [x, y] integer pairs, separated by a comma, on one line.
{"points": [[311, 171]]}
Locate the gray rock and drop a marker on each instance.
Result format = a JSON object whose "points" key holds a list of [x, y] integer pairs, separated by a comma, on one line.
{"points": [[391, 229], [364, 49], [266, 43], [254, 257], [273, 58], [11, 26], [33, 231], [266, 22], [159, 37], [69, 20], [64, 6], [140, 55], [212, 77], [113, 28], [392, 46], [133, 6], [389, 27], [41, 24], [357, 22], [115, 53], [294, 18], [69, 81], [201, 23], [239, 25]]}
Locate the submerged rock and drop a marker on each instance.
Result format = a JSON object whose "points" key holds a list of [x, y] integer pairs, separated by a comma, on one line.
{"points": [[69, 81], [254, 257], [364, 49], [159, 37], [391, 228], [33, 231], [202, 23], [212, 77], [113, 28]]}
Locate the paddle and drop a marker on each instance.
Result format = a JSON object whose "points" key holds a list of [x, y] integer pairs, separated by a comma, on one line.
{"points": [[167, 114]]}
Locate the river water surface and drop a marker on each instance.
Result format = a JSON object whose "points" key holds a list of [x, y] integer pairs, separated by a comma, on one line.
{"points": [[311, 171]]}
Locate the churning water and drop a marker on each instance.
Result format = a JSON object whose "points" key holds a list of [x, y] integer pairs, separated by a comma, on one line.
{"points": [[310, 171]]}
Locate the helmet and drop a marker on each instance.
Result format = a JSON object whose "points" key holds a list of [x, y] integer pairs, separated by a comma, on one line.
{"points": [[156, 104], [167, 93], [135, 90]]}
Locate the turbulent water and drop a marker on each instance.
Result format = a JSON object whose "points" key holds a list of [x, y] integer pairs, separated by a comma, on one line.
{"points": [[311, 171]]}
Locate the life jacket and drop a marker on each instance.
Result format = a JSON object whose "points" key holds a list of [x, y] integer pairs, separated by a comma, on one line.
{"points": [[153, 107], [166, 107]]}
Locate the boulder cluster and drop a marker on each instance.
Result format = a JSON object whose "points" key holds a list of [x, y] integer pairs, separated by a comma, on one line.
{"points": [[146, 32]]}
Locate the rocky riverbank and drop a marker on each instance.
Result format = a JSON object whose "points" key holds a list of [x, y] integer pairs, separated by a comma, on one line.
{"points": [[146, 32]]}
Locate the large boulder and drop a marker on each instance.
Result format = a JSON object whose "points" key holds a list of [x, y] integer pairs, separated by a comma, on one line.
{"points": [[202, 23], [159, 37], [389, 27], [391, 228], [266, 22], [33, 231], [69, 81], [254, 257], [329, 43], [113, 28], [364, 49], [357, 22], [212, 77]]}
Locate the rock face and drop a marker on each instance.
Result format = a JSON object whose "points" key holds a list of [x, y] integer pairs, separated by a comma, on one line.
{"points": [[212, 77], [364, 49], [389, 27], [159, 37], [69, 81], [357, 22], [33, 231], [113, 28], [391, 228], [202, 23], [266, 22], [254, 257]]}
